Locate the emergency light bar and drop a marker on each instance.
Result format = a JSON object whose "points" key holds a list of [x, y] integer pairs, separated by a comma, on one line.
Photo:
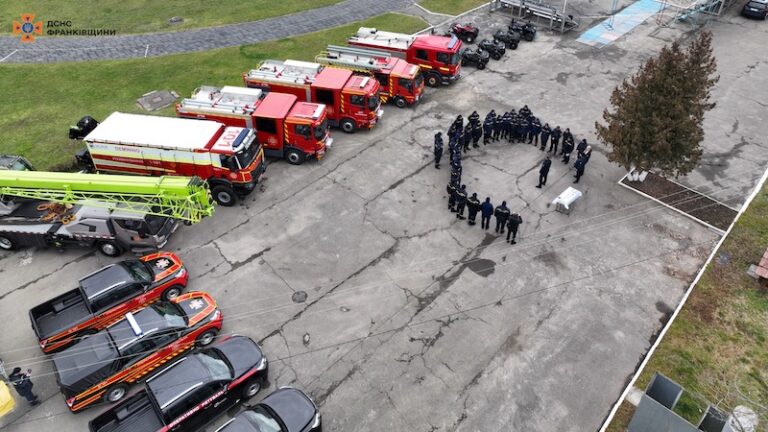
{"points": [[134, 325]]}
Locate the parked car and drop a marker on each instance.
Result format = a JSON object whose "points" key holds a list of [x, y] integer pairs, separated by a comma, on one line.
{"points": [[191, 392], [466, 32], [509, 39], [474, 56], [755, 9], [284, 410], [495, 48], [102, 366], [105, 296]]}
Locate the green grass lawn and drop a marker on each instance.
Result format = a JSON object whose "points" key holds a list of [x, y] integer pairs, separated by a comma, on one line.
{"points": [[140, 16], [451, 7], [716, 348], [42, 101]]}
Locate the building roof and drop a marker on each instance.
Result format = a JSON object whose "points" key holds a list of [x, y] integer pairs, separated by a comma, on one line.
{"points": [[156, 131]]}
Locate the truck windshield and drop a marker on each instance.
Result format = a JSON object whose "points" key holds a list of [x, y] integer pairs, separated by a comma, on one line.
{"points": [[246, 156], [373, 102], [172, 314], [418, 80], [321, 130], [455, 58], [154, 223], [138, 270]]}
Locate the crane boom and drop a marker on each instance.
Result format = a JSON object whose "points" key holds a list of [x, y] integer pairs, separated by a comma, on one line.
{"points": [[184, 198]]}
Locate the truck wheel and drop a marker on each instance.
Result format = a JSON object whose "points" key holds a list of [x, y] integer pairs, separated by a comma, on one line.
{"points": [[224, 195], [294, 156], [172, 292], [251, 388], [348, 126], [206, 337], [115, 393], [110, 248], [400, 102], [6, 243], [433, 80]]}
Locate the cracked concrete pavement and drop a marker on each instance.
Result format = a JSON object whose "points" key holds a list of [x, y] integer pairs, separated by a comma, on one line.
{"points": [[368, 294]]}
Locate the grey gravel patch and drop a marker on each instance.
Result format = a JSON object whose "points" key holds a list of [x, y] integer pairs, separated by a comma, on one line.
{"points": [[157, 99]]}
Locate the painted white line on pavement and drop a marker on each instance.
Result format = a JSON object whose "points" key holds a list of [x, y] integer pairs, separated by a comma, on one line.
{"points": [[12, 53]]}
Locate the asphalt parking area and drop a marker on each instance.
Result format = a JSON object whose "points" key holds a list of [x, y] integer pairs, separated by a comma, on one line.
{"points": [[415, 320]]}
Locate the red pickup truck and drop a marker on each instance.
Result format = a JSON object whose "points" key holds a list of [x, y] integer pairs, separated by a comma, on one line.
{"points": [[105, 296]]}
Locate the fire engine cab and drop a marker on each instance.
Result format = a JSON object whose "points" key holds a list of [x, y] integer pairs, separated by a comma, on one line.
{"points": [[352, 101], [229, 158], [285, 127], [401, 82], [438, 56]]}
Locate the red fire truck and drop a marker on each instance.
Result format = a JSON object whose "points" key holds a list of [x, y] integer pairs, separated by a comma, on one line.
{"points": [[285, 127], [401, 82], [352, 101], [438, 56], [229, 158]]}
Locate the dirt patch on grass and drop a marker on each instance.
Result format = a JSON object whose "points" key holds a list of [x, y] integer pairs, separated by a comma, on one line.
{"points": [[687, 200]]}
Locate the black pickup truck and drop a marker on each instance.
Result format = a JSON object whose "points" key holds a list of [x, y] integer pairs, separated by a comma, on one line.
{"points": [[105, 296], [192, 391]]}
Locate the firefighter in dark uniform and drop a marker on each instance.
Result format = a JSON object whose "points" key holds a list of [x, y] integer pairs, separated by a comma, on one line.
{"points": [[525, 127], [555, 140], [567, 136], [438, 149], [473, 206], [534, 131], [525, 111], [497, 125], [490, 119], [477, 132], [23, 384], [451, 189], [506, 125], [502, 213], [513, 223], [545, 132], [474, 118], [467, 136], [461, 201], [487, 210], [581, 148], [515, 126], [544, 171], [567, 148]]}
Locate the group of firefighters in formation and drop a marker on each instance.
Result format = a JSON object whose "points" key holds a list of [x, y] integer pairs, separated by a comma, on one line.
{"points": [[521, 126]]}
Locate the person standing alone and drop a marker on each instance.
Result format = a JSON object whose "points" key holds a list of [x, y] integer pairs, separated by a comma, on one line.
{"points": [[544, 171], [23, 384]]}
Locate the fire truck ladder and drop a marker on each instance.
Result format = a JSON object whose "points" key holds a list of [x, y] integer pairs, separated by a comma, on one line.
{"points": [[184, 198], [291, 71], [357, 59]]}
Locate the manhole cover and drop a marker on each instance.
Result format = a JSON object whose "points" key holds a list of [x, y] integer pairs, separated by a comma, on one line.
{"points": [[299, 297], [157, 99]]}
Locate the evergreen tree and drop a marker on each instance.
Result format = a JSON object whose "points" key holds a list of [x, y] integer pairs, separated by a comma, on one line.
{"points": [[657, 116]]}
